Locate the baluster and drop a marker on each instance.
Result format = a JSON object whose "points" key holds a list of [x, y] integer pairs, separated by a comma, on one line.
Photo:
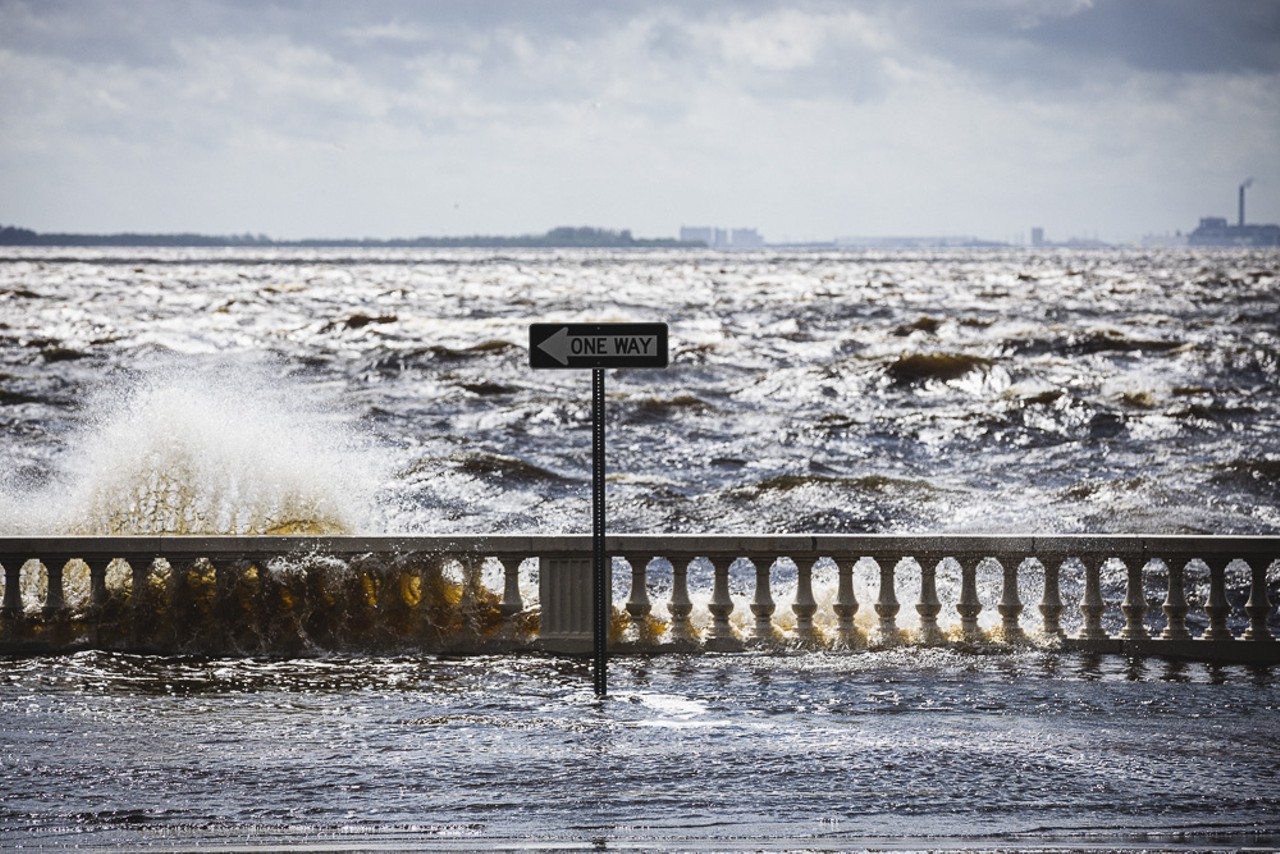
{"points": [[96, 611], [680, 607], [181, 609], [511, 604], [98, 585], [1259, 605], [1217, 608], [846, 606], [887, 608], [929, 607], [267, 613], [1134, 606], [1010, 606], [225, 617], [143, 620], [398, 609], [762, 604], [211, 631], [221, 611], [55, 599], [805, 605], [256, 585], [12, 607], [469, 606], [721, 605], [406, 598], [141, 580], [638, 605], [1092, 606], [969, 605], [1051, 604], [1175, 605]]}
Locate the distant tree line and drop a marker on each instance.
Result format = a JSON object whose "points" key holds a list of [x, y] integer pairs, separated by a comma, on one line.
{"points": [[563, 237]]}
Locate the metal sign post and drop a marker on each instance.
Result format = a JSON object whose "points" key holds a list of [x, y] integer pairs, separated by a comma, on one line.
{"points": [[574, 346], [601, 598]]}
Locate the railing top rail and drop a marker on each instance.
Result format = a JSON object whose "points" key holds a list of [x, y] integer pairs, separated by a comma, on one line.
{"points": [[226, 546], [937, 546], [840, 546]]}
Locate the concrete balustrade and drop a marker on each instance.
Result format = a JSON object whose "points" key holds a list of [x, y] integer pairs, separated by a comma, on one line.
{"points": [[680, 606], [929, 607], [721, 609], [805, 606], [969, 606], [1051, 605], [294, 595], [762, 605]]}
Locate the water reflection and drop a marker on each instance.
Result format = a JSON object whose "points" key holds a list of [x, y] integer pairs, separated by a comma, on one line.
{"points": [[1175, 671], [1091, 666], [702, 749]]}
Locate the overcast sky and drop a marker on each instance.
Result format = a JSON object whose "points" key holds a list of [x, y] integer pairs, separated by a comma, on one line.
{"points": [[807, 120]]}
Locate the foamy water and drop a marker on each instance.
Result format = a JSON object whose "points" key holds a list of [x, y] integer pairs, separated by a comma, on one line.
{"points": [[203, 449], [955, 391]]}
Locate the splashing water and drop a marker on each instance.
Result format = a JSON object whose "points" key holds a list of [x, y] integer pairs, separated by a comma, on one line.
{"points": [[204, 451]]}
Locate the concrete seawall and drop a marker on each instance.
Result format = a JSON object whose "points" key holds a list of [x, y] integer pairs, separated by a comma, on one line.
{"points": [[312, 595]]}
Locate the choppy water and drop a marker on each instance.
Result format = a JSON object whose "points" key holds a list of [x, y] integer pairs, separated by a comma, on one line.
{"points": [[1110, 392], [210, 391]]}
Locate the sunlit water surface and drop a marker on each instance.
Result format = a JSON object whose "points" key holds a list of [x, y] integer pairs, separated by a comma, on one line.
{"points": [[270, 390], [902, 749]]}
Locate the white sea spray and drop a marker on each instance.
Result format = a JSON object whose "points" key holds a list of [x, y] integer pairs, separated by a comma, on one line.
{"points": [[199, 449]]}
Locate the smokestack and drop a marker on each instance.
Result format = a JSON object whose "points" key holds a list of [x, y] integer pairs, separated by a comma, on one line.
{"points": [[1243, 187]]}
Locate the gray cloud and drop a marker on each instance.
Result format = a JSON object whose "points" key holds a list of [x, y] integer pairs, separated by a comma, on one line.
{"points": [[1066, 44], [1177, 36], [810, 118], [1192, 36]]}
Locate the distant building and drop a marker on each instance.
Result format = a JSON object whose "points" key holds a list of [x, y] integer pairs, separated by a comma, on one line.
{"points": [[1083, 243], [1214, 231], [1163, 241], [923, 242], [721, 238], [698, 234], [1038, 241]]}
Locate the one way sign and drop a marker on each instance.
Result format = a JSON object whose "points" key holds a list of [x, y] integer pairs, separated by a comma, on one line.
{"points": [[597, 345]]}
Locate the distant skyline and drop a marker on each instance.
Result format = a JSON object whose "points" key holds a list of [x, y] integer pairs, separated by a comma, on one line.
{"points": [[805, 120]]}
